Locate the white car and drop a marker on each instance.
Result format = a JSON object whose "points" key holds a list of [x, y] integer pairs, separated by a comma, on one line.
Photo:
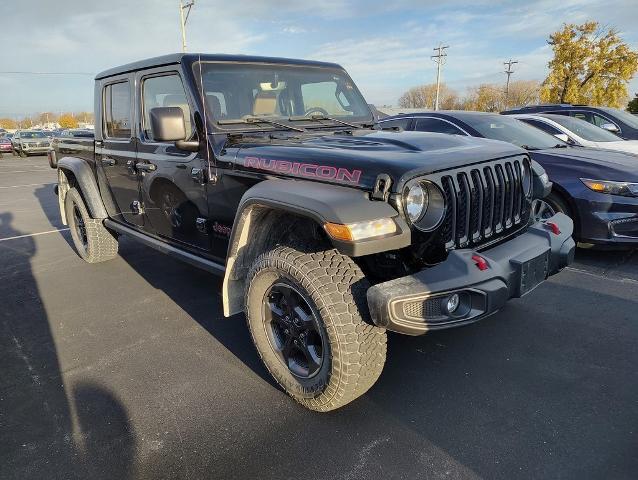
{"points": [[578, 132]]}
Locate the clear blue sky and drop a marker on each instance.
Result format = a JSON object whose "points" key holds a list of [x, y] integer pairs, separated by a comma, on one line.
{"points": [[385, 45]]}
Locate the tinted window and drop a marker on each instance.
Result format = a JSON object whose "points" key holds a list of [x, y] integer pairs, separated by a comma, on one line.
{"points": [[508, 129], [586, 130], [437, 126], [628, 118], [117, 110], [165, 91], [586, 116], [396, 123], [542, 125]]}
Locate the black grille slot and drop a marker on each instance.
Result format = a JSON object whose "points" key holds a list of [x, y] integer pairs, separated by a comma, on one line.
{"points": [[483, 204]]}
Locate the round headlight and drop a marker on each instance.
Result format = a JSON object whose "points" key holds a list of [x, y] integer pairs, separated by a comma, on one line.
{"points": [[526, 181], [416, 202], [424, 204]]}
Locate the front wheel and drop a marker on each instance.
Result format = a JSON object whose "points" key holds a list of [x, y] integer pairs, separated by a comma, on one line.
{"points": [[22, 154], [307, 316]]}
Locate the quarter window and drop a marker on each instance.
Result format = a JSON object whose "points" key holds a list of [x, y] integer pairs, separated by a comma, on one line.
{"points": [[164, 91], [397, 123], [542, 126], [117, 110]]}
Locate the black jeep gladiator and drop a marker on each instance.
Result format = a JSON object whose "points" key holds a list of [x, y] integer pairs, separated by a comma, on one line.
{"points": [[327, 231]]}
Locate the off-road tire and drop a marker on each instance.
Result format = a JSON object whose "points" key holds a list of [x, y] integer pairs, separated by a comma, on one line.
{"points": [[101, 244], [335, 287]]}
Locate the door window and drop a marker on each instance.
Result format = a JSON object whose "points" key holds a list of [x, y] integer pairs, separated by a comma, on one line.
{"points": [[164, 91], [117, 110], [436, 126]]}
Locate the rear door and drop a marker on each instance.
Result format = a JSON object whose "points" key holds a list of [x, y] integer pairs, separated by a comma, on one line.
{"points": [[116, 152]]}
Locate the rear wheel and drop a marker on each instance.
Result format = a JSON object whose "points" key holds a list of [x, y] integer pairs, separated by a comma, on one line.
{"points": [[93, 242], [306, 313]]}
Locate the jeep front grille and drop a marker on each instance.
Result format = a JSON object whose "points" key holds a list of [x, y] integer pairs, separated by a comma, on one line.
{"points": [[483, 203]]}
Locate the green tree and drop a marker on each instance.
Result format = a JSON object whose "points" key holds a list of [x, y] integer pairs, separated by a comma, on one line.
{"points": [[632, 107], [589, 66]]}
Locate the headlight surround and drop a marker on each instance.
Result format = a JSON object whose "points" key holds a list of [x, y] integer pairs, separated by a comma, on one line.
{"points": [[625, 189], [424, 204]]}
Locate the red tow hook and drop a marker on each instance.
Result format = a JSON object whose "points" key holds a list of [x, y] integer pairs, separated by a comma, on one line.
{"points": [[480, 262], [553, 227]]}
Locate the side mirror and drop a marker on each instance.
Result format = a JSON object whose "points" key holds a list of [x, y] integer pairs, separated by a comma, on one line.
{"points": [[610, 127], [167, 125], [564, 137]]}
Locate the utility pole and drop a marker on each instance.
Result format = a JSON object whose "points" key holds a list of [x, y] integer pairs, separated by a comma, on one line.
{"points": [[439, 58], [183, 19], [508, 71]]}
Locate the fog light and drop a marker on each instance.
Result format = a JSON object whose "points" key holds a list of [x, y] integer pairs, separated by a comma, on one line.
{"points": [[453, 303]]}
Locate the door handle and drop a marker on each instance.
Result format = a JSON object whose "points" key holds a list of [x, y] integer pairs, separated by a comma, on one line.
{"points": [[108, 162], [145, 167]]}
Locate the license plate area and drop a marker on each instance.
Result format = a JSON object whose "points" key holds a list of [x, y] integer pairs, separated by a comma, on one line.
{"points": [[532, 272]]}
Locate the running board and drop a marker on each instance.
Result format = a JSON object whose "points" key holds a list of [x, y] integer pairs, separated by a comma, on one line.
{"points": [[166, 248]]}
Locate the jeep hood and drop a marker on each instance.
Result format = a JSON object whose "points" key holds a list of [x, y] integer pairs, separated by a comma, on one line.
{"points": [[357, 159]]}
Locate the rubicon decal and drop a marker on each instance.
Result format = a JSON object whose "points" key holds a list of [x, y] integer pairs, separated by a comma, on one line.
{"points": [[308, 170]]}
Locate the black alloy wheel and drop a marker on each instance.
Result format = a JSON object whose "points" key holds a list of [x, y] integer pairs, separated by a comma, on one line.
{"points": [[292, 329]]}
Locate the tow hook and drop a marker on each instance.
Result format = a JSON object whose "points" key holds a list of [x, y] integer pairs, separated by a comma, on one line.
{"points": [[382, 187]]}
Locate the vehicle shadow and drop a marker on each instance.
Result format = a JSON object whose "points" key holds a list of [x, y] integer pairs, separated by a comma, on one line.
{"points": [[49, 205], [50, 427], [199, 296]]}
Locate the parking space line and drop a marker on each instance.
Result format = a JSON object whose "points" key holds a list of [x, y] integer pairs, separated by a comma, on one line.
{"points": [[29, 185], [33, 234]]}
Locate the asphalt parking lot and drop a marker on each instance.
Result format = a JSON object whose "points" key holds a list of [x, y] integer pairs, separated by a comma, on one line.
{"points": [[128, 369]]}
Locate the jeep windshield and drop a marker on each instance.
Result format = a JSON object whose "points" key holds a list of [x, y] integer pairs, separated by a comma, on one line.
{"points": [[279, 93]]}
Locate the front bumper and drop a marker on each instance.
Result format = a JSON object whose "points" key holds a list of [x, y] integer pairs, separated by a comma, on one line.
{"points": [[418, 303]]}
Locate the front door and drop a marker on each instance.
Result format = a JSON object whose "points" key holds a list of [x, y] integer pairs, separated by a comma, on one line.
{"points": [[116, 152], [173, 181]]}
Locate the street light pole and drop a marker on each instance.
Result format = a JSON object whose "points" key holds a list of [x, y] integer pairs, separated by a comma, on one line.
{"points": [[509, 70], [439, 58], [184, 18]]}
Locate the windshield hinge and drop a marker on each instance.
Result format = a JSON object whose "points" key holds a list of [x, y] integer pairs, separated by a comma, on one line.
{"points": [[382, 187]]}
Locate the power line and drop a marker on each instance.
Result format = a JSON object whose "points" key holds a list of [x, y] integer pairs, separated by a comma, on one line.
{"points": [[509, 71], [439, 58]]}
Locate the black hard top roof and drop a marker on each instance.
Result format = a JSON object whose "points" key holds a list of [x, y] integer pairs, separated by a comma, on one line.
{"points": [[193, 57]]}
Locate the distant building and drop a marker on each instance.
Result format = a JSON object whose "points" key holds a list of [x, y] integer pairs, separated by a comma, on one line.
{"points": [[86, 125]]}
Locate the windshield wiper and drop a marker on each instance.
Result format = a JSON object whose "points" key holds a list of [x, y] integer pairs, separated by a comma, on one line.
{"points": [[259, 120], [560, 145], [318, 118], [527, 147]]}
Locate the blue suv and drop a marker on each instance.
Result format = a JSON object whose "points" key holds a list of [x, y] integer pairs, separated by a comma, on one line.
{"points": [[620, 122]]}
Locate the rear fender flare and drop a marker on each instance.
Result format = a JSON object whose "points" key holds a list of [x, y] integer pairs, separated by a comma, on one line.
{"points": [[81, 171]]}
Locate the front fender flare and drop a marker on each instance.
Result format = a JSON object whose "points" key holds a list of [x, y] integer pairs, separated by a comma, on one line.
{"points": [[317, 201]]}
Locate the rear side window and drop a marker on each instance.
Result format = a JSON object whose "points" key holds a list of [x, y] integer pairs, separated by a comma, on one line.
{"points": [[543, 126], [117, 110], [164, 91], [436, 126], [397, 123]]}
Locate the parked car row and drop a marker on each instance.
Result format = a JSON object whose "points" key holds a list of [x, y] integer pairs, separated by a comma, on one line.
{"points": [[36, 142], [594, 174]]}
